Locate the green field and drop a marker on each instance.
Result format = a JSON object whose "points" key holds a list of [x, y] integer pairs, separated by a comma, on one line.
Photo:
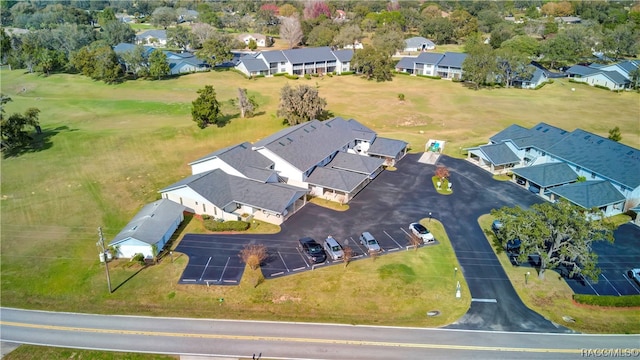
{"points": [[110, 148]]}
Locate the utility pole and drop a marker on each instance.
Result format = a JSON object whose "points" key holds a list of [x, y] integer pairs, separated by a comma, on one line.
{"points": [[106, 260]]}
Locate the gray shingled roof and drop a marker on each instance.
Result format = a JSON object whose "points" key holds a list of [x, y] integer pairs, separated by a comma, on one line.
{"points": [[512, 132], [336, 179], [589, 194], [605, 157], [344, 55], [546, 175], [429, 58], [406, 63], [585, 71], [309, 55], [499, 154], [452, 59], [356, 163], [541, 136], [222, 189], [242, 158], [253, 65], [387, 147], [274, 56], [306, 145], [359, 131], [151, 223], [582, 70], [417, 41], [158, 34], [126, 47]]}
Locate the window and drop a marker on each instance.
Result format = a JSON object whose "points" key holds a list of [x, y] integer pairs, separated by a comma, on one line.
{"points": [[578, 168], [181, 201], [204, 208], [593, 175]]}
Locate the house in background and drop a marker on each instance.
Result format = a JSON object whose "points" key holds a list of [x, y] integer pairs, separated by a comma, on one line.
{"points": [[319, 60], [269, 180], [184, 63], [614, 76], [149, 230], [418, 44], [446, 66], [584, 168], [260, 39], [154, 38], [538, 78]]}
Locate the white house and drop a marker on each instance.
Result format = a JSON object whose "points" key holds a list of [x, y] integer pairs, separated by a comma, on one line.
{"points": [[260, 39], [150, 230], [614, 76], [417, 44], [446, 66], [154, 38], [269, 180], [582, 167]]}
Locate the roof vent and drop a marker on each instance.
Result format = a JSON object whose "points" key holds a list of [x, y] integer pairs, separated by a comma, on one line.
{"points": [[539, 127], [630, 153], [280, 142], [563, 132], [587, 137], [134, 228], [306, 130], [600, 141], [289, 139], [545, 130]]}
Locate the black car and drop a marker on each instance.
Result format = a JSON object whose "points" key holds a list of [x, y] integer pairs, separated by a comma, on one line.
{"points": [[312, 250]]}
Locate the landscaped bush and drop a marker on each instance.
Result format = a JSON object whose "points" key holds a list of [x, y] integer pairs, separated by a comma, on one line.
{"points": [[205, 217], [292, 77], [315, 75], [347, 73], [609, 301], [429, 77], [280, 74], [329, 74], [213, 225], [601, 87], [307, 76]]}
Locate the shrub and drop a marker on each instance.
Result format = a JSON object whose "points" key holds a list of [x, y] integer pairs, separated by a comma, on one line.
{"points": [[292, 77], [205, 217], [609, 301], [212, 225], [280, 74], [347, 73], [139, 258], [253, 255], [401, 97], [601, 87], [430, 77], [329, 74], [456, 80], [315, 75], [307, 76]]}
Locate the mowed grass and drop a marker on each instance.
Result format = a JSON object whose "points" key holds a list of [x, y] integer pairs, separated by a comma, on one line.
{"points": [[110, 148], [552, 298]]}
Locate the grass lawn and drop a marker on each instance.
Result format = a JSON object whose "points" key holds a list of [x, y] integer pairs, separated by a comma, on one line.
{"points": [[29, 352], [552, 298], [444, 186], [108, 149]]}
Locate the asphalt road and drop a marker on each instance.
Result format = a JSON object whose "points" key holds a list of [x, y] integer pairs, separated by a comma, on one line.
{"points": [[276, 340]]}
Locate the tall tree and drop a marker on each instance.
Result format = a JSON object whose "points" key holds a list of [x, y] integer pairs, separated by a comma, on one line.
{"points": [[14, 129], [205, 110], [623, 40], [561, 234], [158, 65], [441, 30], [291, 31], [480, 63], [388, 40], [217, 49], [300, 104], [349, 35], [136, 61], [464, 23], [163, 16], [180, 37], [512, 65], [246, 104], [115, 32], [321, 35], [373, 64], [202, 32]]}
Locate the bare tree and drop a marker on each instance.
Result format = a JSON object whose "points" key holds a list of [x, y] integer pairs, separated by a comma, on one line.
{"points": [[415, 240], [349, 35], [246, 104], [202, 32], [348, 255], [253, 255], [291, 31]]}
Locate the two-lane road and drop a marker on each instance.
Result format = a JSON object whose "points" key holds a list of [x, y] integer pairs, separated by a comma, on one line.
{"points": [[290, 340]]}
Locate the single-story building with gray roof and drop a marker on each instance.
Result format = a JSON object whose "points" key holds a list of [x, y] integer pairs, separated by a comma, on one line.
{"points": [[446, 66], [149, 230], [613, 77]]}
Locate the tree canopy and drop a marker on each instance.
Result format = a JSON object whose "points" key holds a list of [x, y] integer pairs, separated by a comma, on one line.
{"points": [[205, 110], [14, 128], [158, 65], [560, 233], [300, 104]]}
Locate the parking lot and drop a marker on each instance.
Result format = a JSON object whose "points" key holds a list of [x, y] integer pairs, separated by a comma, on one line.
{"points": [[215, 260]]}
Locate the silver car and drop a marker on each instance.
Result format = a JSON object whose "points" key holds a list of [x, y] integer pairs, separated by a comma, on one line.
{"points": [[369, 242], [333, 248]]}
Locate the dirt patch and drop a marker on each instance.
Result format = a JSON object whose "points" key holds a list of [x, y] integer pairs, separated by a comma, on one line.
{"points": [[286, 298]]}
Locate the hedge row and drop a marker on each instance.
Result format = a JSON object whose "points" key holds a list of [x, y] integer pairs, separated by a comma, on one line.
{"points": [[430, 77], [292, 77], [214, 225], [609, 301]]}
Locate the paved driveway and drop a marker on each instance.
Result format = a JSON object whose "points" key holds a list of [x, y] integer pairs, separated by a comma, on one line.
{"points": [[385, 208]]}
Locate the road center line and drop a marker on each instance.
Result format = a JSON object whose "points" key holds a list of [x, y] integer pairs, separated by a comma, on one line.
{"points": [[290, 339]]}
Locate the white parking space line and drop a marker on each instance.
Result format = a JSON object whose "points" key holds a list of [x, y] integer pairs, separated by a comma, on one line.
{"points": [[276, 274], [205, 268], [588, 283], [300, 268], [231, 281], [284, 263], [391, 237], [630, 282], [357, 243], [485, 300], [405, 231], [189, 280], [303, 259], [614, 288], [394, 249], [225, 268]]}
